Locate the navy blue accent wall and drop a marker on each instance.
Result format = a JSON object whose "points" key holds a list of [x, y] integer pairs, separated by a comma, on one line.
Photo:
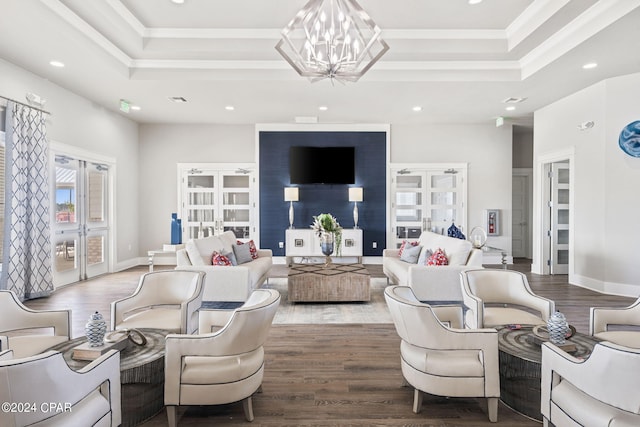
{"points": [[370, 171]]}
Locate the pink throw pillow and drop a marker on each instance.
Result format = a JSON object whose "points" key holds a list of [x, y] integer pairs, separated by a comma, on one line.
{"points": [[438, 258]]}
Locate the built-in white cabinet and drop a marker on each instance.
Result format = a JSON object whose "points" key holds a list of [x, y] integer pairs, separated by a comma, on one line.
{"points": [[426, 197], [304, 243], [214, 198]]}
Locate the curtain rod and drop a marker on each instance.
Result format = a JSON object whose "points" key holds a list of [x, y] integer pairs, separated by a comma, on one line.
{"points": [[26, 105]]}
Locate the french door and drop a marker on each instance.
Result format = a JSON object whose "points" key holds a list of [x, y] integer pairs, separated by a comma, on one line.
{"points": [[80, 223]]}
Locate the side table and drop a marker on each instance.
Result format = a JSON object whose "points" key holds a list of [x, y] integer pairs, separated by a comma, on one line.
{"points": [[520, 360], [141, 374], [167, 251]]}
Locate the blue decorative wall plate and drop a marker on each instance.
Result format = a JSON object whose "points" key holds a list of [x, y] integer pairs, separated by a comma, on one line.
{"points": [[630, 139]]}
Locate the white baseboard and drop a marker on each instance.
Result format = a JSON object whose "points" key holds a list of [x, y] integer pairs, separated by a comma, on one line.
{"points": [[610, 288], [130, 263]]}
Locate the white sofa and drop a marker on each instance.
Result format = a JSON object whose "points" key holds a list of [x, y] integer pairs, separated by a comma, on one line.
{"points": [[433, 283], [224, 283]]}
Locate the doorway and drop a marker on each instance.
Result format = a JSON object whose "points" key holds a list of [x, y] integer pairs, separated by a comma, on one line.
{"points": [[553, 213], [80, 223]]}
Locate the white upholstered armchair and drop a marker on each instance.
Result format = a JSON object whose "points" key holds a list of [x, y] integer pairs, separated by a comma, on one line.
{"points": [[222, 367], [440, 360], [599, 391], [16, 320], [167, 299], [501, 297], [58, 396], [604, 320]]}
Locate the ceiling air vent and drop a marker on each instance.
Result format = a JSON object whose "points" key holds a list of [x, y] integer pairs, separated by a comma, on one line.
{"points": [[512, 100]]}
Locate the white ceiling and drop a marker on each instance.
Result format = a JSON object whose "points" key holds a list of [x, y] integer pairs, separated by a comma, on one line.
{"points": [[457, 61]]}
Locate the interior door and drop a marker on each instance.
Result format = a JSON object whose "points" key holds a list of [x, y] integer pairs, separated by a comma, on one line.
{"points": [[520, 217], [559, 210]]}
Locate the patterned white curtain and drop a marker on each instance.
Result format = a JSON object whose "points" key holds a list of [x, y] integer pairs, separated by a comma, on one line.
{"points": [[26, 263]]}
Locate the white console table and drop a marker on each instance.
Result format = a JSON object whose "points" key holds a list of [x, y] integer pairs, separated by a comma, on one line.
{"points": [[305, 243]]}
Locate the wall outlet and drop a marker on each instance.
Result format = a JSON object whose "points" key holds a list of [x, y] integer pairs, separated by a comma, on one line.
{"points": [[375, 245], [281, 245]]}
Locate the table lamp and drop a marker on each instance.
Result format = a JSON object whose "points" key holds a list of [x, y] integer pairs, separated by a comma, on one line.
{"points": [[355, 196], [290, 195]]}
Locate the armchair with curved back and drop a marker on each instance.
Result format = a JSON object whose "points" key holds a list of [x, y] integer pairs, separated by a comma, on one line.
{"points": [[442, 360], [221, 367], [49, 327], [604, 320], [601, 390], [500, 297], [49, 393], [166, 299]]}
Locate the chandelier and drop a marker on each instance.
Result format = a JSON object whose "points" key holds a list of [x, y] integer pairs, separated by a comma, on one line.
{"points": [[333, 39]]}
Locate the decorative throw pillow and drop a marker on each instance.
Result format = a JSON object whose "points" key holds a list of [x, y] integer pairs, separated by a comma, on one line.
{"points": [[231, 256], [425, 253], [438, 258], [404, 245], [243, 253], [455, 232], [252, 248], [218, 259], [411, 254]]}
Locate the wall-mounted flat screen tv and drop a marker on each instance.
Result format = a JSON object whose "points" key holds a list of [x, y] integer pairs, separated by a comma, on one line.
{"points": [[322, 165]]}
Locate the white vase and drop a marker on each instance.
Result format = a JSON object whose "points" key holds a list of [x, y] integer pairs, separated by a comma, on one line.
{"points": [[95, 329], [558, 328]]}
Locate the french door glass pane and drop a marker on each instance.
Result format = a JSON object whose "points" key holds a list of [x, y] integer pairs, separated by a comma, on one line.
{"points": [[96, 197], [65, 255], [66, 189], [95, 250]]}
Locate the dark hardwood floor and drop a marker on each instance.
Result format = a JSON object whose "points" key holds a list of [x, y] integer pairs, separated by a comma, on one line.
{"points": [[339, 374]]}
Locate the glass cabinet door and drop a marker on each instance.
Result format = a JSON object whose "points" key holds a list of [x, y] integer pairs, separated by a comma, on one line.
{"points": [[408, 210], [201, 205], [215, 201], [236, 205], [426, 197], [445, 203]]}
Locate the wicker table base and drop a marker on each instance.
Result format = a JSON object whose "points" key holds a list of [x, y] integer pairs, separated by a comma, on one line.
{"points": [[337, 282], [141, 375], [520, 359]]}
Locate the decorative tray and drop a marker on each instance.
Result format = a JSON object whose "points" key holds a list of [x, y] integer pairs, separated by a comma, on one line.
{"points": [[541, 335]]}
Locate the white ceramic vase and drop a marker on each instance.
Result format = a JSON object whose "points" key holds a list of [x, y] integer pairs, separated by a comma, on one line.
{"points": [[95, 329], [558, 328]]}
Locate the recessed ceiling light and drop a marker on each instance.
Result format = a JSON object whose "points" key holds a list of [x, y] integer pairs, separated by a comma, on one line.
{"points": [[510, 108], [417, 108], [323, 108], [177, 99], [177, 1], [55, 63], [475, 1], [229, 108], [590, 65], [135, 108]]}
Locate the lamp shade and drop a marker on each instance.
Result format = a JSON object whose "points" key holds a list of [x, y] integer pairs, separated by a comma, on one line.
{"points": [[355, 194], [290, 194]]}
